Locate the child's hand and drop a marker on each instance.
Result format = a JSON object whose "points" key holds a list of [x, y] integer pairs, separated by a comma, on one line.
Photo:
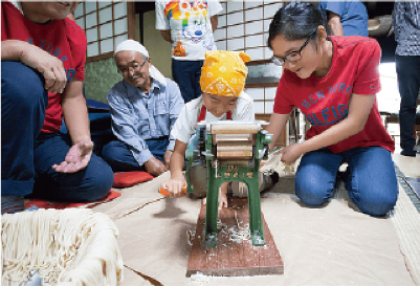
{"points": [[174, 187], [223, 203]]}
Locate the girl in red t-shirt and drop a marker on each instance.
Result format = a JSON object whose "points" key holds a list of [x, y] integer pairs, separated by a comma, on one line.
{"points": [[333, 81]]}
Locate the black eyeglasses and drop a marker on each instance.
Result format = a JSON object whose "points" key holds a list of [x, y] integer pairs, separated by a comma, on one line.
{"points": [[293, 56], [134, 67]]}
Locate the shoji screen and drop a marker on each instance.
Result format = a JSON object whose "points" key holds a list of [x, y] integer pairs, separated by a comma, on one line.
{"points": [[106, 24], [243, 26]]}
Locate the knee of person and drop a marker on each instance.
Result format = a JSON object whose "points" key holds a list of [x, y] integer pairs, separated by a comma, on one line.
{"points": [[377, 206], [22, 83], [101, 184], [310, 192], [109, 152]]}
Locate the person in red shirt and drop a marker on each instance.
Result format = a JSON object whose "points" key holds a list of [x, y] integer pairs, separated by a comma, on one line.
{"points": [[333, 80], [42, 73]]}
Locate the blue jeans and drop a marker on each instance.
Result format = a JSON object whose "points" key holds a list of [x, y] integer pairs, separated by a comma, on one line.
{"points": [[117, 154], [27, 155], [408, 71], [86, 185], [22, 117], [187, 75], [371, 182]]}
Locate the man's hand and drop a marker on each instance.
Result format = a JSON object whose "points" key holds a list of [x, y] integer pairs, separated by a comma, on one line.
{"points": [[167, 159], [155, 167], [76, 159], [51, 66]]}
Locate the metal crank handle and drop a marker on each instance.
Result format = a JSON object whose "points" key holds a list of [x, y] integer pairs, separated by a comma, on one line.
{"points": [[165, 192]]}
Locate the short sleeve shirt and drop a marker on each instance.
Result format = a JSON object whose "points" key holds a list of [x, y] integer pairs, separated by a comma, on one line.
{"points": [[353, 16], [190, 25], [187, 121], [63, 39], [325, 101]]}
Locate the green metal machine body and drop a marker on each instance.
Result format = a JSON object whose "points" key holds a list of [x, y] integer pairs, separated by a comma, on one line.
{"points": [[203, 149]]}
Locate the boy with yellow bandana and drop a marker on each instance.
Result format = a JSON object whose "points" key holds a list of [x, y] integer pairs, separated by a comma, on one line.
{"points": [[222, 82]]}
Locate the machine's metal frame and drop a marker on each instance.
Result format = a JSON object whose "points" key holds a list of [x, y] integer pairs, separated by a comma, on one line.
{"points": [[202, 148]]}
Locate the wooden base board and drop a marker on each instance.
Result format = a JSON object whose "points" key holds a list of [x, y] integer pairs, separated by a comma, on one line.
{"points": [[238, 257]]}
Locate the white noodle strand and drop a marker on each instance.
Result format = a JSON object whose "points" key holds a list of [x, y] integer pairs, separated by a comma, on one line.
{"points": [[67, 247]]}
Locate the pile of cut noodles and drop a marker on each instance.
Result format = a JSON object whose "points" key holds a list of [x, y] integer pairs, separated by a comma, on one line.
{"points": [[66, 247]]}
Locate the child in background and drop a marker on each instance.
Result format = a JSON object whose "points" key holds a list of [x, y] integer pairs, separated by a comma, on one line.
{"points": [[222, 81]]}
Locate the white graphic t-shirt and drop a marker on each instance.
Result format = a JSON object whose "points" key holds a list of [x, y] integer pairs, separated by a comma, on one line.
{"points": [[189, 22]]}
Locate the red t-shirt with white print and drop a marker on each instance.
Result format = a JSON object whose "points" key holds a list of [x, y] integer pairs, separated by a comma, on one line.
{"points": [[61, 38], [325, 101]]}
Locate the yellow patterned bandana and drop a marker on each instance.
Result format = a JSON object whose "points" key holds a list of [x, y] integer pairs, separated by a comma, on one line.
{"points": [[224, 73]]}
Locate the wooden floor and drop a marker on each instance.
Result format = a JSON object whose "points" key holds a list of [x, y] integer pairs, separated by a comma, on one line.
{"points": [[234, 254]]}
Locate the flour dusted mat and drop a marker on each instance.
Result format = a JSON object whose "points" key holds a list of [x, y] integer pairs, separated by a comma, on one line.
{"points": [[234, 254], [133, 198], [331, 245]]}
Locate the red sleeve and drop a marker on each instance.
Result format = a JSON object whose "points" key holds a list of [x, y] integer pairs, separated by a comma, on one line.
{"points": [[367, 78], [282, 102], [78, 44], [3, 28], [80, 64]]}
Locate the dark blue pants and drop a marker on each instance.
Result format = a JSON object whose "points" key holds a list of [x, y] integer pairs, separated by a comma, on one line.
{"points": [[120, 158], [408, 70], [187, 75], [27, 155]]}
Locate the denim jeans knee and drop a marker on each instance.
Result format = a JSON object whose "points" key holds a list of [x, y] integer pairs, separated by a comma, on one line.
{"points": [[373, 184], [316, 175], [312, 191]]}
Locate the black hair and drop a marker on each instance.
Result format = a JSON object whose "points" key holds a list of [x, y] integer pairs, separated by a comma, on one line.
{"points": [[296, 21]]}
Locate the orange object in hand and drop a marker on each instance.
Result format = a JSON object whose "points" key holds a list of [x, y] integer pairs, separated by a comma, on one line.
{"points": [[165, 192]]}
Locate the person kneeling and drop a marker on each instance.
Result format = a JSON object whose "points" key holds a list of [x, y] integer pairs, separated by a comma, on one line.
{"points": [[222, 81], [144, 106]]}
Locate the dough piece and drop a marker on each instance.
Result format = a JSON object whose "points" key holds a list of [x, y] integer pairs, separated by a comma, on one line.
{"points": [[274, 164]]}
